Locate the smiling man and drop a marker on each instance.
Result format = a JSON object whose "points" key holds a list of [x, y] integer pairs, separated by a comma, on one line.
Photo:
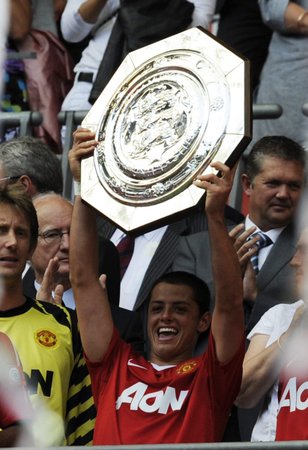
{"points": [[173, 397]]}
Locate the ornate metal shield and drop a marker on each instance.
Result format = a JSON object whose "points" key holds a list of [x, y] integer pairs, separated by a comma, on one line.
{"points": [[170, 109]]}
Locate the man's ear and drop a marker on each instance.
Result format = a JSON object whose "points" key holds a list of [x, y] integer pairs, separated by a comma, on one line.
{"points": [[204, 322], [246, 184], [29, 187]]}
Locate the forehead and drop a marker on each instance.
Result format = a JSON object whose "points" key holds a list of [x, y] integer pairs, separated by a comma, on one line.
{"points": [[278, 168], [10, 213], [172, 292], [53, 210]]}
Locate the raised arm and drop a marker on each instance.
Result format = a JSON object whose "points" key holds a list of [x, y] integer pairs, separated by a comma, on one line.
{"points": [[263, 363], [228, 319], [94, 316]]}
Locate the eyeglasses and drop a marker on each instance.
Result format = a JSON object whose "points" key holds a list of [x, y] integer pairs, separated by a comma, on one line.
{"points": [[10, 179], [53, 236]]}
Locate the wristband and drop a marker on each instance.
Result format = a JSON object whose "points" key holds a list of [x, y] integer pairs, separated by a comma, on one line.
{"points": [[77, 187]]}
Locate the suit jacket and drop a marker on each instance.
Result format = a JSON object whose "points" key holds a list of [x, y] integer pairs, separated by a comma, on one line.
{"points": [[275, 281]]}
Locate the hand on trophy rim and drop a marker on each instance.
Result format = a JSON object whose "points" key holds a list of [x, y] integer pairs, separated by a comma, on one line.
{"points": [[84, 144]]}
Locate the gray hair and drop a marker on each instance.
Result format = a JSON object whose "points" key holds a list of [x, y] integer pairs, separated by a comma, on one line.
{"points": [[30, 156]]}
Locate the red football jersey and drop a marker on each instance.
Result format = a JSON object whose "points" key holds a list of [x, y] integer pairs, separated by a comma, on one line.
{"points": [[138, 404], [292, 416]]}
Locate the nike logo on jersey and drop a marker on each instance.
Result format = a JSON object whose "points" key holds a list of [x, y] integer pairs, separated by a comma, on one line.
{"points": [[131, 363], [160, 401]]}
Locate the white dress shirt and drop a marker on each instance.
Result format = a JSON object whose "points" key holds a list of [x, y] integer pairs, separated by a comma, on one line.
{"points": [[145, 247]]}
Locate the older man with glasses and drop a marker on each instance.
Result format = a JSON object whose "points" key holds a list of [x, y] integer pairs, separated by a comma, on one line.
{"points": [[54, 217]]}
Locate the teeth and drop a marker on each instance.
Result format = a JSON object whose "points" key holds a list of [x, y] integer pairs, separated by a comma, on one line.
{"points": [[167, 330]]}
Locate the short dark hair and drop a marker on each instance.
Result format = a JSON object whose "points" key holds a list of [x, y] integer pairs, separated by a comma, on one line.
{"points": [[201, 292], [16, 196], [273, 146], [30, 156]]}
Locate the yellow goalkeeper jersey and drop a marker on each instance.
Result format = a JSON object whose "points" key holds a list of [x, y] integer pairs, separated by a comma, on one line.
{"points": [[48, 343]]}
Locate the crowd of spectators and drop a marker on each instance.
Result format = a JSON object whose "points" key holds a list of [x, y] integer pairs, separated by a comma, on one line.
{"points": [[193, 331]]}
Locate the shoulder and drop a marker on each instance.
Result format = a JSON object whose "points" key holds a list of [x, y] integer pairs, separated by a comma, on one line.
{"points": [[276, 320], [64, 316]]}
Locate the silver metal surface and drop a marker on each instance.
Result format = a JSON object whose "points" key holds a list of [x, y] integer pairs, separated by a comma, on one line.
{"points": [[170, 109]]}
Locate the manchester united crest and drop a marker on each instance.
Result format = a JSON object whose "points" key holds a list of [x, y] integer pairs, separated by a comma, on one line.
{"points": [[187, 367], [46, 338]]}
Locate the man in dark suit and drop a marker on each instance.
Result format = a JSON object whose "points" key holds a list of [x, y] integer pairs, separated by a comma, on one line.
{"points": [[273, 181]]}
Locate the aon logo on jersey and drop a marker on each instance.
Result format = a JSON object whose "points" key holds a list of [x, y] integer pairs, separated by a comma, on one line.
{"points": [[138, 398], [294, 398]]}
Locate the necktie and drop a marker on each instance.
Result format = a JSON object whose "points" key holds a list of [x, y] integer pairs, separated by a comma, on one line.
{"points": [[125, 248], [264, 241]]}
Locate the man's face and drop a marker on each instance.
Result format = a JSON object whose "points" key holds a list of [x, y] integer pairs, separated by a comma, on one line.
{"points": [[14, 243], [174, 323], [54, 216], [274, 193], [300, 264]]}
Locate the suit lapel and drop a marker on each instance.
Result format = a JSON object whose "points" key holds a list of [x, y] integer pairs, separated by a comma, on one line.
{"points": [[280, 255], [105, 228]]}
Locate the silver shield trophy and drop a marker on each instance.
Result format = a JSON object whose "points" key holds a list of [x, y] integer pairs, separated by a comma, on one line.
{"points": [[170, 109]]}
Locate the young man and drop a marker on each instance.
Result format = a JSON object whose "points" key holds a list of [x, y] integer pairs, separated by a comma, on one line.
{"points": [[174, 397], [45, 335]]}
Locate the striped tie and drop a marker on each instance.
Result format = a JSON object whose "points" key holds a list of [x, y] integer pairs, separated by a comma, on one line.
{"points": [[264, 241], [125, 248]]}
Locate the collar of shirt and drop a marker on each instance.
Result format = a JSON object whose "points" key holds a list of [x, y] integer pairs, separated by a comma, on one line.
{"points": [[273, 234], [150, 236]]}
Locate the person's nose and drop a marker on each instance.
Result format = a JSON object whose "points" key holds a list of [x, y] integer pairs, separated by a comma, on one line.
{"points": [[65, 241], [11, 239], [283, 191], [166, 314]]}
